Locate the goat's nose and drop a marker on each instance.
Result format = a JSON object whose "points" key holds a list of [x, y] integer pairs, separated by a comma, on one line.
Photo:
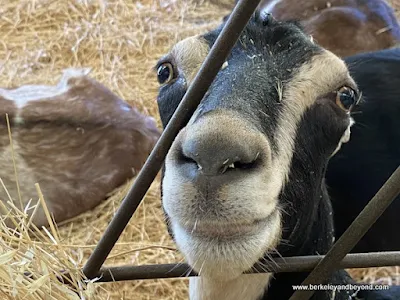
{"points": [[213, 155], [216, 146]]}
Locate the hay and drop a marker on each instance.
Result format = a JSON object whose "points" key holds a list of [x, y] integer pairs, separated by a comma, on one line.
{"points": [[33, 270], [120, 40]]}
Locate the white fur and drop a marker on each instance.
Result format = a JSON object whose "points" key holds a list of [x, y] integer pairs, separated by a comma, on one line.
{"points": [[237, 204], [26, 93], [227, 259], [244, 287], [345, 138]]}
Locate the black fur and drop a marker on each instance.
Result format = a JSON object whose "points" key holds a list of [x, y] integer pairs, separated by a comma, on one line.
{"points": [[363, 165], [308, 224]]}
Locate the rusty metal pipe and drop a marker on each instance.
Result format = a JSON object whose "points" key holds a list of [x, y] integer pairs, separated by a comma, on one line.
{"points": [[280, 265], [209, 69]]}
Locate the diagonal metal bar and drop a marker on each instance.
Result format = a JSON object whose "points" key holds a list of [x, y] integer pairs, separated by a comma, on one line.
{"points": [[368, 216], [279, 265], [209, 69]]}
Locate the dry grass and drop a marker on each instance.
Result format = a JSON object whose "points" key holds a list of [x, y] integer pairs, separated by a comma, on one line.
{"points": [[120, 40]]}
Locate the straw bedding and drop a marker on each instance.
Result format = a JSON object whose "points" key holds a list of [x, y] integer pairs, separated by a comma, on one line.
{"points": [[121, 41]]}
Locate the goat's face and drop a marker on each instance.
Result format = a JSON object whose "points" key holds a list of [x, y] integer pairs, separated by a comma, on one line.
{"points": [[278, 95]]}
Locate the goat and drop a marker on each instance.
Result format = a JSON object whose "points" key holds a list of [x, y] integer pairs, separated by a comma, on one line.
{"points": [[357, 172], [78, 140], [345, 27], [244, 178]]}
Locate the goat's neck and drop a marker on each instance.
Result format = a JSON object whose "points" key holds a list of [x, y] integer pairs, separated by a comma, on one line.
{"points": [[244, 287], [317, 239], [309, 227], [308, 219]]}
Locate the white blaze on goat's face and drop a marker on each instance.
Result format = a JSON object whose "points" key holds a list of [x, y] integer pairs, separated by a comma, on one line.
{"points": [[227, 168]]}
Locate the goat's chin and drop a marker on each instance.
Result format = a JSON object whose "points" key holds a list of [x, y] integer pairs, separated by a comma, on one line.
{"points": [[227, 258]]}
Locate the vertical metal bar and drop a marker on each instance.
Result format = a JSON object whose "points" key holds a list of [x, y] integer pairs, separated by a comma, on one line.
{"points": [[352, 235], [209, 69]]}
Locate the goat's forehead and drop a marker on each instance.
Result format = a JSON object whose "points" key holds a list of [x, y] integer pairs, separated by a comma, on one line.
{"points": [[317, 66], [282, 49]]}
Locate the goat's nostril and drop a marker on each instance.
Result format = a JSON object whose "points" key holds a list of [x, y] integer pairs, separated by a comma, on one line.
{"points": [[240, 165], [189, 161], [229, 165], [182, 158]]}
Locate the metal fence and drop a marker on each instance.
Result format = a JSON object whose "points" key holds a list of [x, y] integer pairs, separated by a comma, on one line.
{"points": [[321, 267]]}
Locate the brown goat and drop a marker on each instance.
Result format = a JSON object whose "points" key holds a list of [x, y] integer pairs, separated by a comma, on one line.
{"points": [[78, 140], [345, 27]]}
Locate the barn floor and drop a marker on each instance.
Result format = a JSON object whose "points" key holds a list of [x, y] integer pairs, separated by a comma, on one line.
{"points": [[120, 40]]}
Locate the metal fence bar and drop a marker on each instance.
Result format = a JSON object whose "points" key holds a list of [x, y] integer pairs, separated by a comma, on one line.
{"points": [[279, 265], [368, 216], [209, 69]]}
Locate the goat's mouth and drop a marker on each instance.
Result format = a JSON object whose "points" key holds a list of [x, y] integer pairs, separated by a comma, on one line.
{"points": [[225, 230], [226, 250]]}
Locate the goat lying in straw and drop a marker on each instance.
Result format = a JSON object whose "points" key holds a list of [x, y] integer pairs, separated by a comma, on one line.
{"points": [[78, 140]]}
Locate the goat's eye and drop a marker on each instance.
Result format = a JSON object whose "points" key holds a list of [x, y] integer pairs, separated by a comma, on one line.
{"points": [[165, 73], [346, 98]]}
